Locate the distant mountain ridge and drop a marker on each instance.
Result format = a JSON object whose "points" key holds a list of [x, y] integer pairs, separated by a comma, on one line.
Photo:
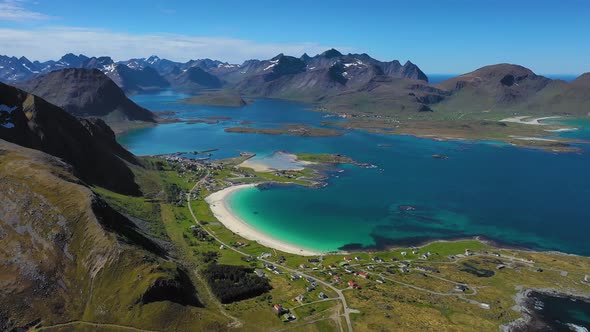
{"points": [[141, 74], [339, 82]]}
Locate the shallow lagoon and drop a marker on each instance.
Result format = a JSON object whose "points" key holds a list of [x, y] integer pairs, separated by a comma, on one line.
{"points": [[520, 197]]}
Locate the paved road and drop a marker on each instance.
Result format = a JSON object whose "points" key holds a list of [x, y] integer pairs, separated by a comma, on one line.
{"points": [[338, 291]]}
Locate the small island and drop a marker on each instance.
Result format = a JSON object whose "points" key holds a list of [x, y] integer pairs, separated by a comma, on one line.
{"points": [[294, 130], [217, 98]]}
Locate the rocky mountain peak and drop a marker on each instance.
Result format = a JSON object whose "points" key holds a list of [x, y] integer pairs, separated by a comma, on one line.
{"points": [[277, 57], [331, 53], [73, 60]]}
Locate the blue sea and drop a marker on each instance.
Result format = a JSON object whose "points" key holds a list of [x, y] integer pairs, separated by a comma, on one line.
{"points": [[515, 196]]}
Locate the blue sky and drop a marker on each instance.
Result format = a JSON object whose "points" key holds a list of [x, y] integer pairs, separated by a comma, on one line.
{"points": [[550, 37]]}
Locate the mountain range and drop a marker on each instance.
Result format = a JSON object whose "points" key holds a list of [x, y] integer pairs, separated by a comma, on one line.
{"points": [[354, 84], [137, 75]]}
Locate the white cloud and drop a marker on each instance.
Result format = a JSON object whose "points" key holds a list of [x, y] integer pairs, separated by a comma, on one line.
{"points": [[14, 10], [52, 42]]}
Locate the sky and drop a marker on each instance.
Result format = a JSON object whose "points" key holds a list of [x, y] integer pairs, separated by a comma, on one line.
{"points": [[440, 36]]}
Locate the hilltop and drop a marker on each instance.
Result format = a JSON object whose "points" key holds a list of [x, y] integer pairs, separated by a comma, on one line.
{"points": [[87, 92]]}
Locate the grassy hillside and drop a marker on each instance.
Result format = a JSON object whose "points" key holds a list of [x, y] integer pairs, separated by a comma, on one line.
{"points": [[69, 257]]}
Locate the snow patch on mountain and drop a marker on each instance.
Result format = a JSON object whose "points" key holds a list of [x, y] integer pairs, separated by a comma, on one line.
{"points": [[153, 59], [357, 63], [227, 65], [273, 63], [110, 68]]}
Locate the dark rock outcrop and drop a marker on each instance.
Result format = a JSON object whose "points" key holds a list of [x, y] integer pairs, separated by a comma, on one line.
{"points": [[178, 290]]}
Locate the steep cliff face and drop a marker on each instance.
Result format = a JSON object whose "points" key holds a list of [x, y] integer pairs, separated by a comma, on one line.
{"points": [[87, 92], [67, 255], [88, 145]]}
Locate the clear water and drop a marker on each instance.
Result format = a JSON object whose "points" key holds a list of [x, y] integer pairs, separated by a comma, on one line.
{"points": [[562, 314], [516, 196]]}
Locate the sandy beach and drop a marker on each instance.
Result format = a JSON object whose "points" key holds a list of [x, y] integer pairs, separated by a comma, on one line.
{"points": [[223, 213], [529, 120], [527, 138], [278, 161], [257, 166]]}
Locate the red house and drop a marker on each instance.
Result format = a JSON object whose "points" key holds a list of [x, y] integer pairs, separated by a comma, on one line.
{"points": [[353, 284]]}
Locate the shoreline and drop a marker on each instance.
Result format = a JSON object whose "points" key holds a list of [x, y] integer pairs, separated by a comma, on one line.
{"points": [[225, 215], [220, 208], [259, 165], [524, 304]]}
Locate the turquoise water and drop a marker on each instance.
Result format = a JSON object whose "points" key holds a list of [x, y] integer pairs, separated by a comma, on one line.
{"points": [[515, 196], [582, 125]]}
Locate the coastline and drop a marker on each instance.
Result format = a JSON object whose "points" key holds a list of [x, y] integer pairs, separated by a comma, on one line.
{"points": [[221, 210], [223, 213], [260, 166], [524, 304]]}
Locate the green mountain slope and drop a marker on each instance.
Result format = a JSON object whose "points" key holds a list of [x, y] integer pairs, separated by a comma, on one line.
{"points": [[67, 256]]}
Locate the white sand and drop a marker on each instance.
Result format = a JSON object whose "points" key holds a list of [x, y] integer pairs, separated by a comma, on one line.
{"points": [[527, 138], [223, 213], [529, 120], [257, 166], [561, 130], [265, 164]]}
